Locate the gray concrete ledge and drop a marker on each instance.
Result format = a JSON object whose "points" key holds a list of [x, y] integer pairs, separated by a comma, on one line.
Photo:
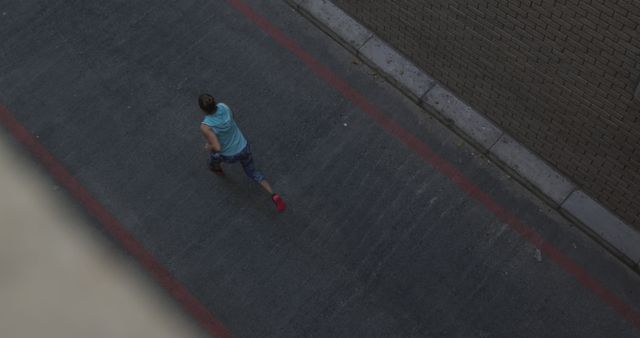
{"points": [[605, 224], [335, 22], [396, 68], [551, 183], [556, 189], [461, 116]]}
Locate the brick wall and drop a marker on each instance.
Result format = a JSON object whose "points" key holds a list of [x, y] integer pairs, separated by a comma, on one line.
{"points": [[560, 76]]}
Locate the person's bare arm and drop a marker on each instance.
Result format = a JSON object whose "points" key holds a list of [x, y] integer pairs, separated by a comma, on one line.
{"points": [[213, 144]]}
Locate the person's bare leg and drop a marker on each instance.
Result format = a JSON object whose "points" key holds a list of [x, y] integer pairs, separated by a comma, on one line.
{"points": [[265, 185]]}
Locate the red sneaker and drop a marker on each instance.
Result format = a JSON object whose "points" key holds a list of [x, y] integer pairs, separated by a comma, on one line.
{"points": [[280, 205]]}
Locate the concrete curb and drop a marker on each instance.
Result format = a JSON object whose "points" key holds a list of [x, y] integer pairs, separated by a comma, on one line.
{"points": [[533, 172], [604, 224], [344, 29], [397, 69], [457, 114], [527, 165]]}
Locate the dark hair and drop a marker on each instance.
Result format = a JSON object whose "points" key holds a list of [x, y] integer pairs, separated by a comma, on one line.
{"points": [[207, 103]]}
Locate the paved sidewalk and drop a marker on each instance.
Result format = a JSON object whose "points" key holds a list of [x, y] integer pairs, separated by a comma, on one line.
{"points": [[60, 277], [385, 234]]}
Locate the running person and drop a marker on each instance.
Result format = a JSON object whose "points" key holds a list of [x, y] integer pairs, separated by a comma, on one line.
{"points": [[226, 143]]}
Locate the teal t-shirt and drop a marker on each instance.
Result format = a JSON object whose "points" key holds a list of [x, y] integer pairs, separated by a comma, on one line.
{"points": [[221, 122]]}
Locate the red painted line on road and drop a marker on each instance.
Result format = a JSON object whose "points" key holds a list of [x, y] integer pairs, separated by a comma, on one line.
{"points": [[213, 326], [442, 165]]}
